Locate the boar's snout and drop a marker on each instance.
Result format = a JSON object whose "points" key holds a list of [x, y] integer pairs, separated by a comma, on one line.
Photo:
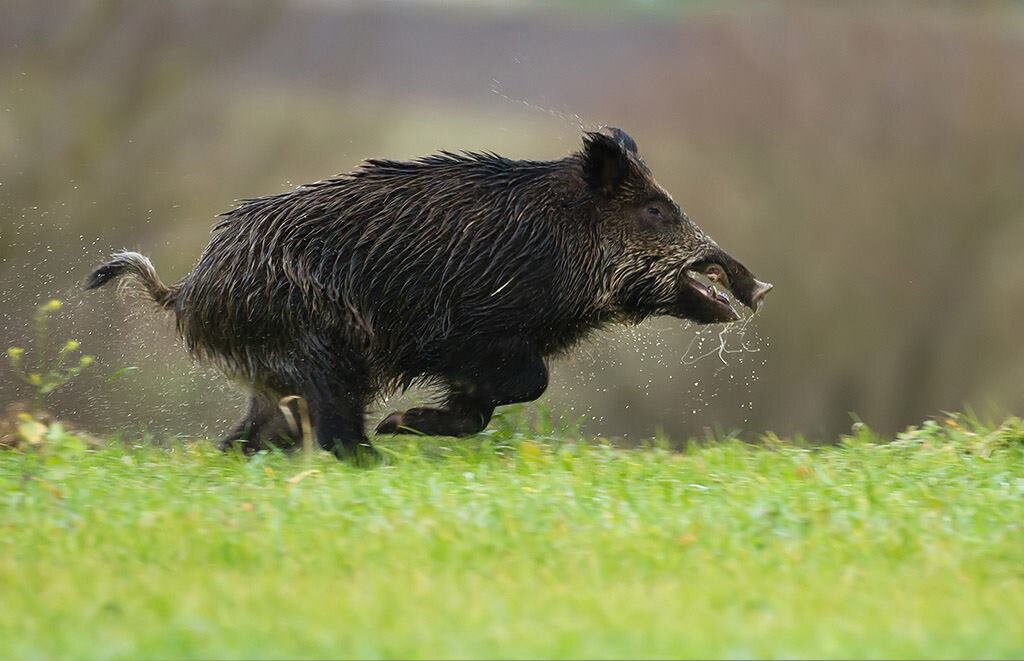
{"points": [[761, 290], [710, 305], [741, 282]]}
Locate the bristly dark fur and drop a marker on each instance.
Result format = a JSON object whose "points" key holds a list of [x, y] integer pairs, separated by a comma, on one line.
{"points": [[466, 270]]}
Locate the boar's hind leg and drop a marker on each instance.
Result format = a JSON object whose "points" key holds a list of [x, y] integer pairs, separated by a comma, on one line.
{"points": [[262, 422], [475, 392]]}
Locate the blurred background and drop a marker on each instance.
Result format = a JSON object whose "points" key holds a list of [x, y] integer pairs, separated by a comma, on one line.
{"points": [[867, 158]]}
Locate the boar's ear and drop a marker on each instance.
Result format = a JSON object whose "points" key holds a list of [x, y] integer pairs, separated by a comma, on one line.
{"points": [[605, 162], [624, 139]]}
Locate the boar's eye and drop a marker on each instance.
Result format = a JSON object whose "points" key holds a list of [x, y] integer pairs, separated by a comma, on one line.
{"points": [[657, 215]]}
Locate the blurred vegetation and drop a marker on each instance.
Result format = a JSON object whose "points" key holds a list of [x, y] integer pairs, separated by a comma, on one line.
{"points": [[865, 157], [43, 369]]}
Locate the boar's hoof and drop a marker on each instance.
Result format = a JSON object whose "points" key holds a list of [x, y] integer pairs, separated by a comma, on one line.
{"points": [[245, 446], [363, 455]]}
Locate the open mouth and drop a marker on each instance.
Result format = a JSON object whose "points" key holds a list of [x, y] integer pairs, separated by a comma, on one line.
{"points": [[709, 287], [705, 279]]}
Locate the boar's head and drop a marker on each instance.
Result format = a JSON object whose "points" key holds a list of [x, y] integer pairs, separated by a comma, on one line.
{"points": [[655, 260]]}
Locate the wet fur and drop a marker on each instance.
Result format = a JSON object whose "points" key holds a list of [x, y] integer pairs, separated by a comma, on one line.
{"points": [[465, 271]]}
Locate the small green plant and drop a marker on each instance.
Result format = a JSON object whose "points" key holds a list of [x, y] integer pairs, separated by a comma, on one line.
{"points": [[45, 370]]}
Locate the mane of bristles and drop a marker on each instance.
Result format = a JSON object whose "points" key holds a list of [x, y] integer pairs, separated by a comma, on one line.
{"points": [[398, 259]]}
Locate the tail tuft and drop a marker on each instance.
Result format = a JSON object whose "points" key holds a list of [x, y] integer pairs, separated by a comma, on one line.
{"points": [[132, 263]]}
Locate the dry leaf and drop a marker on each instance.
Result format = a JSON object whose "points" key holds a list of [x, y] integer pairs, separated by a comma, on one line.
{"points": [[52, 488], [295, 479], [686, 539], [32, 431]]}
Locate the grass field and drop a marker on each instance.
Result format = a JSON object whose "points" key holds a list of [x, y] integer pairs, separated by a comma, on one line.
{"points": [[519, 544]]}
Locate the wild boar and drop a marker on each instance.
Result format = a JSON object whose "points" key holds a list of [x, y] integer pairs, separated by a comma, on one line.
{"points": [[463, 271]]}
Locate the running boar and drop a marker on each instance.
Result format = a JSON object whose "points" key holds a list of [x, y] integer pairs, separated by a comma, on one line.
{"points": [[464, 271]]}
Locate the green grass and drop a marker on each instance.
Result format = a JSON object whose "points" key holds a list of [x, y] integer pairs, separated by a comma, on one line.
{"points": [[519, 545]]}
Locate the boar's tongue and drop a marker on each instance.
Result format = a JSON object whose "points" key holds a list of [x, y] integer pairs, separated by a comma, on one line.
{"points": [[748, 289]]}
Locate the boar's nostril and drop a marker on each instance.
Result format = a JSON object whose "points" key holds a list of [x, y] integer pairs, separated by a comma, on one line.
{"points": [[761, 290]]}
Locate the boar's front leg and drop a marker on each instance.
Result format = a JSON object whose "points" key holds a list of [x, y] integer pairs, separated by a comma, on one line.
{"points": [[336, 406], [339, 429], [475, 391]]}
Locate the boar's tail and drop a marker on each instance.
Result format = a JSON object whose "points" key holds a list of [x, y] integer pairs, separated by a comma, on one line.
{"points": [[124, 263]]}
